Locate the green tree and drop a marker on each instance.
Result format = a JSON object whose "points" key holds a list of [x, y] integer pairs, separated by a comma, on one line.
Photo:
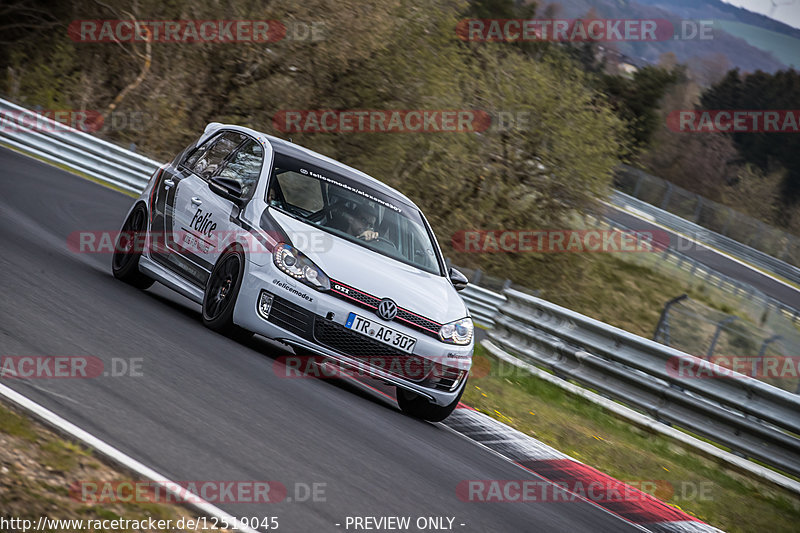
{"points": [[637, 100], [768, 151]]}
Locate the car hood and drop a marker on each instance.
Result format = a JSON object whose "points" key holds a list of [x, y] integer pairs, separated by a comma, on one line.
{"points": [[413, 289]]}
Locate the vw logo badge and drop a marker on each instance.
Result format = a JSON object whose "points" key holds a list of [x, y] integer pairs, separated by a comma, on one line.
{"points": [[387, 309]]}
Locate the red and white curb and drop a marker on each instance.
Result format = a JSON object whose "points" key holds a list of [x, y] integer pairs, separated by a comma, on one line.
{"points": [[547, 463]]}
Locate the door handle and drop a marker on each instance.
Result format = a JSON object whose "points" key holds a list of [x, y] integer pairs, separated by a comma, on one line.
{"points": [[196, 200], [169, 183]]}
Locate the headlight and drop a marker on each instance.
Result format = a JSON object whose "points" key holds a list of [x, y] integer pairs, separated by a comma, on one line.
{"points": [[291, 261], [458, 332]]}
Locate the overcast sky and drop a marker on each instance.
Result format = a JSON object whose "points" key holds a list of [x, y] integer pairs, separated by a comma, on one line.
{"points": [[787, 11]]}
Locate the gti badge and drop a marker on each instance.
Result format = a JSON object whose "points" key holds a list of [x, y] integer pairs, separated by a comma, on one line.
{"points": [[387, 309]]}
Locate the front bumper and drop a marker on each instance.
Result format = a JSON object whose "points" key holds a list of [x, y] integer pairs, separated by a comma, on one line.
{"points": [[312, 322]]}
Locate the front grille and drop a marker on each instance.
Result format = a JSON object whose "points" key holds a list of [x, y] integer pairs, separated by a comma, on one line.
{"points": [[291, 317], [371, 352], [367, 301], [363, 298], [429, 326]]}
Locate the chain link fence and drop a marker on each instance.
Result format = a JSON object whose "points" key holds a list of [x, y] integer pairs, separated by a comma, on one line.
{"points": [[709, 214], [732, 293], [764, 346]]}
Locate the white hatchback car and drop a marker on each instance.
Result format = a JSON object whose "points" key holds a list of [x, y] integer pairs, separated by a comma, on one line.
{"points": [[274, 239]]}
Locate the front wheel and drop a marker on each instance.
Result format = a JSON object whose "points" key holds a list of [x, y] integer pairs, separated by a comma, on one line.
{"points": [[128, 249], [417, 406], [220, 295]]}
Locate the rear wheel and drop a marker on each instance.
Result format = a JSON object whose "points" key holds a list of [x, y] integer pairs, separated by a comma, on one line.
{"points": [[220, 295], [128, 249], [417, 406]]}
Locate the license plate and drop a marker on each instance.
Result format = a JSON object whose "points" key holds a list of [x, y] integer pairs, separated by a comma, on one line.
{"points": [[375, 330]]}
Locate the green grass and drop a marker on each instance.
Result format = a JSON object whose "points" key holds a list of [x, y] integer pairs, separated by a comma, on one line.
{"points": [[61, 455], [13, 424], [722, 497], [618, 290]]}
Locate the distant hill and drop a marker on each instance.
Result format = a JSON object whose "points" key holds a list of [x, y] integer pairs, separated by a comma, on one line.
{"points": [[745, 39]]}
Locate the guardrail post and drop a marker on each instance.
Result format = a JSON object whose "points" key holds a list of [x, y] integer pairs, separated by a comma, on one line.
{"points": [[662, 321], [697, 208], [763, 350], [637, 188], [714, 340], [755, 237], [784, 252], [667, 196], [476, 277], [727, 222]]}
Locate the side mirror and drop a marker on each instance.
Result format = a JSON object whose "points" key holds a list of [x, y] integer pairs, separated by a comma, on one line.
{"points": [[228, 188], [458, 279]]}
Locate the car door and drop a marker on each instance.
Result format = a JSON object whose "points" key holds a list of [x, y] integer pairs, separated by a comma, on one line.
{"points": [[244, 167], [208, 221], [189, 237], [164, 242]]}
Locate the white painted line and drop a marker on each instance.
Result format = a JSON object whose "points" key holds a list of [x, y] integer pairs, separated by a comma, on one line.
{"points": [[117, 456], [640, 214]]}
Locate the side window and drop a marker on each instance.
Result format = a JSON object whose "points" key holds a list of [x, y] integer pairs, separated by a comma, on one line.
{"points": [[208, 158], [245, 166], [300, 191]]}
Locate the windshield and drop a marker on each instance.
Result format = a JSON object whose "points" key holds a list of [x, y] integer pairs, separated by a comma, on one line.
{"points": [[352, 211]]}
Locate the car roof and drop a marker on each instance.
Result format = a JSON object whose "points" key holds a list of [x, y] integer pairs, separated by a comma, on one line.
{"points": [[299, 152]]}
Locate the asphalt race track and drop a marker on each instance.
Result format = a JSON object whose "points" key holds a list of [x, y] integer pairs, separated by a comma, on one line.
{"points": [[207, 408], [713, 259]]}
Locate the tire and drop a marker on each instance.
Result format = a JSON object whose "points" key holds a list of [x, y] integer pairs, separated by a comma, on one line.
{"points": [[417, 406], [125, 263], [222, 290]]}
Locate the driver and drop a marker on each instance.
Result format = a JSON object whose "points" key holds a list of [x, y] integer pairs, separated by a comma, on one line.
{"points": [[360, 222]]}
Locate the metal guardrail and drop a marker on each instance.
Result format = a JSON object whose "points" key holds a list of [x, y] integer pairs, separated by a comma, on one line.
{"points": [[53, 141], [709, 238], [750, 417], [482, 303]]}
